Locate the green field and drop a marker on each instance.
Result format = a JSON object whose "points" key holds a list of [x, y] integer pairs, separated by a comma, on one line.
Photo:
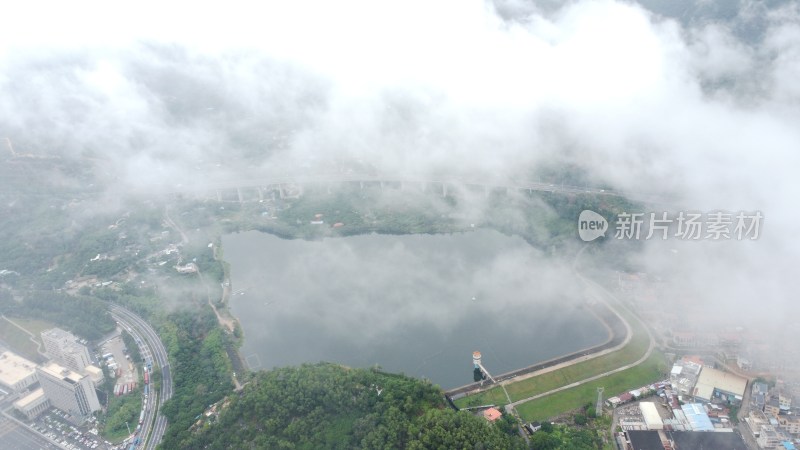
{"points": [[35, 326], [635, 349], [18, 341], [542, 408]]}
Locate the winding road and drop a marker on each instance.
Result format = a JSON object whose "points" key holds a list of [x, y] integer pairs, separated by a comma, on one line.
{"points": [[601, 294], [150, 347]]}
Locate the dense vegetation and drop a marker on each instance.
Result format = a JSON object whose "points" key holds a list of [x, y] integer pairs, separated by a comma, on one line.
{"points": [[121, 410], [132, 346], [85, 316], [330, 406], [200, 369], [564, 438]]}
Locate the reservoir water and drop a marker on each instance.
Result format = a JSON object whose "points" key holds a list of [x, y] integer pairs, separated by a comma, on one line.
{"points": [[417, 304]]}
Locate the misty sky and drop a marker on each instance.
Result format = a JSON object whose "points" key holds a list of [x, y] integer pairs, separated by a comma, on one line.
{"points": [[692, 100]]}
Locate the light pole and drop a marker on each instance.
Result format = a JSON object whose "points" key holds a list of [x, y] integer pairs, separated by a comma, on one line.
{"points": [[128, 427]]}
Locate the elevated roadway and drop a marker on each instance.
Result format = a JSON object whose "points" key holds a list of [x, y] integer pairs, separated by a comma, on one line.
{"points": [[152, 348], [445, 184]]}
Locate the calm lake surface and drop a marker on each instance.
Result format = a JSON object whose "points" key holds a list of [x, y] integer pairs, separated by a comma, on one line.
{"points": [[418, 304]]}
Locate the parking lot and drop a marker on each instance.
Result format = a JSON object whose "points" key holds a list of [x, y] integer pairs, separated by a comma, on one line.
{"points": [[630, 417], [51, 430], [116, 347], [16, 436], [54, 425]]}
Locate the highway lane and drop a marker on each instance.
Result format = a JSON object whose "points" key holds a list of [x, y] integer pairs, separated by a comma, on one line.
{"points": [[159, 358], [157, 353], [144, 332], [147, 354]]}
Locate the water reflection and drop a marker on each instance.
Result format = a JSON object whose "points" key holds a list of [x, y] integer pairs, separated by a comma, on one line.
{"points": [[418, 304]]}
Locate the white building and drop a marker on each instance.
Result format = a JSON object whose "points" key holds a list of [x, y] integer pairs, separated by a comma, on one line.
{"points": [[33, 404], [651, 416], [683, 376], [769, 437], [68, 391], [16, 372], [95, 374], [714, 383], [65, 348]]}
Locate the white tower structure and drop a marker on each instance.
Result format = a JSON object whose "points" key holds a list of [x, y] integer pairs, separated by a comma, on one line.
{"points": [[476, 359]]}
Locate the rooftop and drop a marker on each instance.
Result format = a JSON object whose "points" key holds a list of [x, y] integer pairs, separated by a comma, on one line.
{"points": [[645, 440], [58, 333], [30, 398], [651, 416], [697, 416], [688, 365], [685, 440], [760, 387], [711, 378], [14, 368], [58, 371], [93, 370], [693, 359], [492, 414], [66, 340]]}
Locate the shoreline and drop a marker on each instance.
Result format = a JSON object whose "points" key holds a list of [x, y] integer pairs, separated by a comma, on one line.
{"points": [[618, 337]]}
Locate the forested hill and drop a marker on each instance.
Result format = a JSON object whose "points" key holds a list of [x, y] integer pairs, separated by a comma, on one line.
{"points": [[326, 406]]}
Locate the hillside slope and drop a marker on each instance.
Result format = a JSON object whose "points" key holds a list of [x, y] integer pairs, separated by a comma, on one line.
{"points": [[334, 407]]}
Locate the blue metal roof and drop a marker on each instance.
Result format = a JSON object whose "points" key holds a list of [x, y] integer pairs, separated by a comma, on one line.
{"points": [[697, 417]]}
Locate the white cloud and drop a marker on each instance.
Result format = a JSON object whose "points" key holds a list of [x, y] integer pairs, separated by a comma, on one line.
{"points": [[165, 92]]}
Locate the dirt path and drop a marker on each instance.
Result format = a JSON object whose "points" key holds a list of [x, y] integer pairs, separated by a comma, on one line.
{"points": [[228, 323]]}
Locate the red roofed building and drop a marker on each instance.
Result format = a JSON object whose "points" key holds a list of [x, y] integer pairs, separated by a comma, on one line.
{"points": [[695, 359], [492, 414], [625, 397]]}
